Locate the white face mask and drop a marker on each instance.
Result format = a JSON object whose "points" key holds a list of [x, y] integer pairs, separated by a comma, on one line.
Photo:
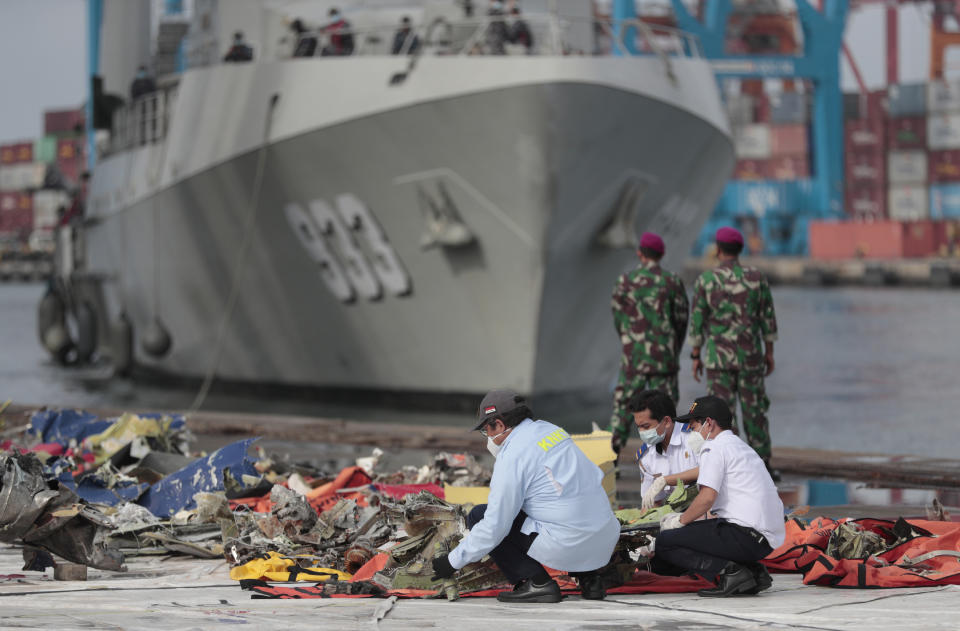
{"points": [[493, 447], [696, 441], [650, 436]]}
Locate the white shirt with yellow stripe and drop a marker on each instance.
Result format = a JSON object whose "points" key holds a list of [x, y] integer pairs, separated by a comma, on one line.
{"points": [[540, 471]]}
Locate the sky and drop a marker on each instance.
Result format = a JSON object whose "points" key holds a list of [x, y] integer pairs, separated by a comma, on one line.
{"points": [[43, 57], [43, 60]]}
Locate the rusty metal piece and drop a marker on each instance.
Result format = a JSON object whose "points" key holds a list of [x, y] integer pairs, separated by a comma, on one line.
{"points": [[356, 556]]}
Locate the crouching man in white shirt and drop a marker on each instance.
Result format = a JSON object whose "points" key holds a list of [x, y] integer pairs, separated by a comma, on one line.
{"points": [[547, 507], [736, 487]]}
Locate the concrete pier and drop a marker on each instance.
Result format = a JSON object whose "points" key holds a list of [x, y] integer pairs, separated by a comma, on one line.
{"points": [[936, 272]]}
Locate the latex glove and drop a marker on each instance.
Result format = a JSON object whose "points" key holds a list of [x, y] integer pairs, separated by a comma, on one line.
{"points": [[670, 521], [650, 495], [442, 568]]}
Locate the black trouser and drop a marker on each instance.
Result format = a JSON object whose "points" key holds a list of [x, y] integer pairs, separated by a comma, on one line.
{"points": [[510, 555], [705, 547]]}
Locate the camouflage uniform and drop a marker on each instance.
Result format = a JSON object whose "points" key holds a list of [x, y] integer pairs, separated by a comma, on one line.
{"points": [[732, 313], [650, 311]]}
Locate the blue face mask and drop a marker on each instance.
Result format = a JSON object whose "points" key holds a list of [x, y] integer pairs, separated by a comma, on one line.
{"points": [[650, 436]]}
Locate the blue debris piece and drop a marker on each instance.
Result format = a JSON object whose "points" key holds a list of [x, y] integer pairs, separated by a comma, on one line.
{"points": [[94, 489], [62, 426], [175, 492]]}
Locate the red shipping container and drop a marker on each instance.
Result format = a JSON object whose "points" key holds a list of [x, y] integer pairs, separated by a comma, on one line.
{"points": [[866, 168], [944, 166], [752, 170], [761, 108], [862, 135], [866, 202], [70, 158], [8, 154], [946, 237], [23, 152], [788, 140], [9, 202], [790, 167], [907, 133], [63, 121], [871, 239]]}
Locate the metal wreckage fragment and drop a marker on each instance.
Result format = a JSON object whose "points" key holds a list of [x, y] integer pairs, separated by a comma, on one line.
{"points": [[434, 527], [49, 516]]}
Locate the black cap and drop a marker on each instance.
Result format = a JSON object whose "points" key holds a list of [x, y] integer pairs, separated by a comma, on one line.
{"points": [[708, 406], [495, 404]]}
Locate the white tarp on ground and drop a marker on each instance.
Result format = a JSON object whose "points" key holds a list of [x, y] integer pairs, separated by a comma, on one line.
{"points": [[181, 593]]}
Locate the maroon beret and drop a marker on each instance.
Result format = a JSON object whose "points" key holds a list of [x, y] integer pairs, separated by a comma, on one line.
{"points": [[729, 235], [653, 241]]}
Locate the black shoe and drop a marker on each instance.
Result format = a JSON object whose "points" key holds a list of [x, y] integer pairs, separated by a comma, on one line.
{"points": [[761, 576], [528, 592], [591, 586], [734, 579]]}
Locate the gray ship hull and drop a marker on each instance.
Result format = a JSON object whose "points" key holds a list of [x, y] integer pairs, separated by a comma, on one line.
{"points": [[499, 210]]}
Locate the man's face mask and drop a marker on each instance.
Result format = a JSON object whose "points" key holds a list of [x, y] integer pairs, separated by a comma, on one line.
{"points": [[651, 436]]}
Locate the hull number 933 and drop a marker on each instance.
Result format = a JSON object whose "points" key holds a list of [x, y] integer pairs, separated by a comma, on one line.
{"points": [[350, 248]]}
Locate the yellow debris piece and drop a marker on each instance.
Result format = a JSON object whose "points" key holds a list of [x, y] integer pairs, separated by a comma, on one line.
{"points": [[285, 569], [596, 446], [125, 429]]}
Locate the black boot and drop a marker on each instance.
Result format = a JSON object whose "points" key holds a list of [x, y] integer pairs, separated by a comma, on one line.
{"points": [[732, 580], [591, 586], [527, 591], [761, 576]]}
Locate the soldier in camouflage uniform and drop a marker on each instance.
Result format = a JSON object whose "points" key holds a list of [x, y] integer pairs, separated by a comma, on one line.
{"points": [[650, 312], [732, 313]]}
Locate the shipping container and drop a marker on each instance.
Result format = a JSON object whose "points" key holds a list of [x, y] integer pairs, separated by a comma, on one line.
{"points": [[60, 122], [45, 149], [946, 237], [907, 99], [763, 196], [907, 133], [872, 106], [866, 167], [752, 142], [866, 202], [945, 201], [943, 131], [907, 167], [761, 109], [944, 166], [863, 135], [8, 201], [943, 96], [789, 167], [907, 202], [832, 240], [788, 140], [16, 153], [8, 178], [752, 170], [740, 109], [789, 108]]}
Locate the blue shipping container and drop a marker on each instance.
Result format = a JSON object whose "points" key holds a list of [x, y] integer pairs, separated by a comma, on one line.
{"points": [[760, 197], [945, 201]]}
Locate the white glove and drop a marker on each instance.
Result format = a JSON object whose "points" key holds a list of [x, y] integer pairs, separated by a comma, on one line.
{"points": [[650, 495], [670, 521]]}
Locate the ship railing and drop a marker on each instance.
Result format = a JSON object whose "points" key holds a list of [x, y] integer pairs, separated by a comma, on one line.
{"points": [[142, 121], [494, 35]]}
